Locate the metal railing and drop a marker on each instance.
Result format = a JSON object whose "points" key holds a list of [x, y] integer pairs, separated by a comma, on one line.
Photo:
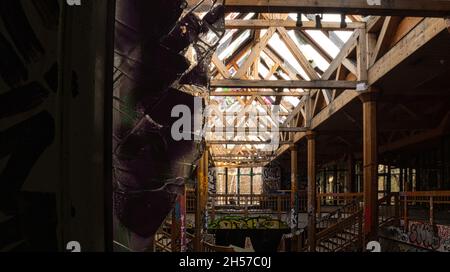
{"points": [[336, 199], [389, 209], [430, 200], [344, 235], [278, 203], [337, 215]]}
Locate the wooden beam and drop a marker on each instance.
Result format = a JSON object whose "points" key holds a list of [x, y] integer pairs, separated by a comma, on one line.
{"points": [[198, 205], [247, 142], [345, 51], [335, 106], [414, 8], [294, 185], [221, 68], [299, 56], [255, 129], [288, 24], [288, 84], [362, 56], [414, 40], [255, 53], [384, 39], [311, 197], [252, 93], [370, 164], [241, 160]]}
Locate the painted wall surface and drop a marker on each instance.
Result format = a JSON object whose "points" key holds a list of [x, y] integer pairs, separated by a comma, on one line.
{"points": [[421, 237], [238, 222]]}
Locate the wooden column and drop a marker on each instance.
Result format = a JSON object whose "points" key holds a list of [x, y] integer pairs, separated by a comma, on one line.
{"points": [[294, 174], [205, 179], [370, 164], [447, 22], [311, 150], [350, 187], [198, 205]]}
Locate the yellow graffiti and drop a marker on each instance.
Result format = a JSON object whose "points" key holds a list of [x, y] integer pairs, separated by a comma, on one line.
{"points": [[234, 222]]}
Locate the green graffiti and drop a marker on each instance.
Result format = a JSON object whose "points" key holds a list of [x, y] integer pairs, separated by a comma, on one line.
{"points": [[238, 222]]}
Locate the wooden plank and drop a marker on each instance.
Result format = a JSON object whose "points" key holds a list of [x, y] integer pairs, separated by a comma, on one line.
{"points": [[256, 93], [419, 8], [248, 142], [255, 53], [335, 106], [370, 164], [288, 84], [384, 39], [288, 24], [221, 68], [417, 38], [299, 56], [374, 24], [311, 195], [254, 129], [345, 51], [362, 56]]}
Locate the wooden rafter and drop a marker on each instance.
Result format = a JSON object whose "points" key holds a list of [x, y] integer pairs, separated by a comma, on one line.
{"points": [[289, 84], [288, 24], [420, 8]]}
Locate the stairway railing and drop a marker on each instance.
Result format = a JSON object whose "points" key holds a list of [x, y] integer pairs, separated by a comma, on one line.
{"points": [[346, 234], [338, 215], [389, 209]]}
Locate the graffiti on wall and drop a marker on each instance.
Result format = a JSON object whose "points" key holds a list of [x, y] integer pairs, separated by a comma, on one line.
{"points": [[238, 222], [271, 177], [422, 235], [212, 174]]}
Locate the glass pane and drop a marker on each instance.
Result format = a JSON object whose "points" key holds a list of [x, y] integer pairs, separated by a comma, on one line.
{"points": [[245, 187], [220, 185], [257, 185], [245, 171]]}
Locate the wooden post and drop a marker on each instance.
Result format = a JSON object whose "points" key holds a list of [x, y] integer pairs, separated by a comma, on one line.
{"points": [[205, 179], [370, 164], [294, 174], [238, 181], [405, 212], [174, 231], [198, 206], [447, 22], [311, 150], [431, 211], [350, 186], [294, 193], [279, 207], [397, 208], [226, 186]]}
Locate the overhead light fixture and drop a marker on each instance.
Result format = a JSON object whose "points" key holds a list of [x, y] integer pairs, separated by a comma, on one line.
{"points": [[319, 21], [299, 20], [343, 22]]}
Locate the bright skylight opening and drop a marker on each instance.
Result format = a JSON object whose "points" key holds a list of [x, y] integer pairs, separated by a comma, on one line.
{"points": [[282, 50]]}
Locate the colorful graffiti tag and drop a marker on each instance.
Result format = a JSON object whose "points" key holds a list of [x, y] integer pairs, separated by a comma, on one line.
{"points": [[238, 222], [422, 236]]}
